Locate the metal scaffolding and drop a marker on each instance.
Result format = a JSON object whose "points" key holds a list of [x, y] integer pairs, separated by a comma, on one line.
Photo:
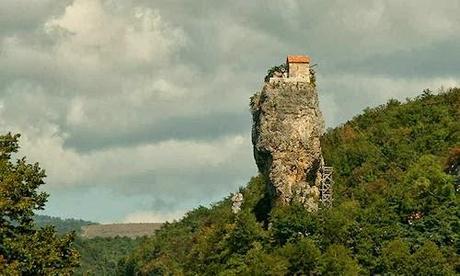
{"points": [[326, 185]]}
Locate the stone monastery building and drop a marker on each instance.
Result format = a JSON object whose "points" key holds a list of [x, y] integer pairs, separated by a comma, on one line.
{"points": [[298, 70], [298, 67]]}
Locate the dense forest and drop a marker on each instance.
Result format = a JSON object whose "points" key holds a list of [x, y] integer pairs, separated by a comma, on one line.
{"points": [[395, 211], [100, 256]]}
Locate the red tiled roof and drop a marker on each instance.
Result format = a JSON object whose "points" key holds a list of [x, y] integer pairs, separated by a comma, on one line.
{"points": [[298, 59]]}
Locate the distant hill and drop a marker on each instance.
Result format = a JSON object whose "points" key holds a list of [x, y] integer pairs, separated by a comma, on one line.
{"points": [[61, 225], [89, 229], [101, 246], [130, 230]]}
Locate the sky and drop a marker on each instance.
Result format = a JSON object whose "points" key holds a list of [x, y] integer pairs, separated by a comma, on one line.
{"points": [[138, 109]]}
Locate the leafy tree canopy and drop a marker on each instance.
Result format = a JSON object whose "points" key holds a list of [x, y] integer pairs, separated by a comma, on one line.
{"points": [[24, 248]]}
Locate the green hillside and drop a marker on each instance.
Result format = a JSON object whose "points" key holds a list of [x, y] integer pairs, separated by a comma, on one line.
{"points": [[99, 254], [62, 226], [395, 209]]}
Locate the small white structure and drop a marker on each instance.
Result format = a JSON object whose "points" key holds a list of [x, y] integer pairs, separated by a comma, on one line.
{"points": [[237, 200]]}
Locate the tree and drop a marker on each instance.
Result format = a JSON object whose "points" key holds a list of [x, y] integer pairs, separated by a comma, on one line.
{"points": [[303, 256], [290, 222], [395, 258], [429, 260], [338, 222], [246, 230], [258, 262], [24, 248], [337, 260]]}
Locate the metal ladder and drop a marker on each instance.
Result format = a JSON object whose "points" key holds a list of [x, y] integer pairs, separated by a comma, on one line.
{"points": [[326, 185]]}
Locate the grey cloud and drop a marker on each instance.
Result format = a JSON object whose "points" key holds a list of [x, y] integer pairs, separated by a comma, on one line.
{"points": [[19, 16], [205, 127], [438, 60], [181, 188], [338, 35]]}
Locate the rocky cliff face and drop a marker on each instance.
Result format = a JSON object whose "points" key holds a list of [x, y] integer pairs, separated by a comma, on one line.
{"points": [[287, 125]]}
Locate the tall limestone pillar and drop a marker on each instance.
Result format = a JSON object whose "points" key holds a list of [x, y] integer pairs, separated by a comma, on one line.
{"points": [[287, 126]]}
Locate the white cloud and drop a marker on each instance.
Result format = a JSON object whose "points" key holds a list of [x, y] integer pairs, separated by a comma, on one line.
{"points": [[93, 37], [76, 114], [68, 167]]}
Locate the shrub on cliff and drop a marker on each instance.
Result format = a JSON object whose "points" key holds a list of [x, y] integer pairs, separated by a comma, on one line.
{"points": [[275, 69]]}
